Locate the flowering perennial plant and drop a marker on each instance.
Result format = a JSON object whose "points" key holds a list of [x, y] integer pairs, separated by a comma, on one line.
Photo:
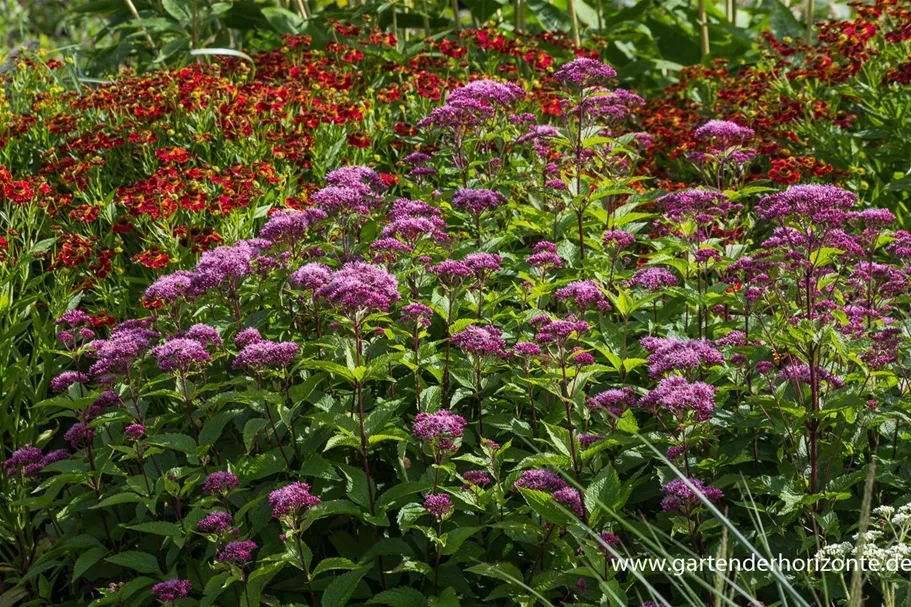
{"points": [[469, 378]]}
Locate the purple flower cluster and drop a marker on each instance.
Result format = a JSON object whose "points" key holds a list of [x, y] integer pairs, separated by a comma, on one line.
{"points": [[67, 379], [361, 288], [571, 498], [544, 256], [218, 522], [172, 591], [653, 279], [475, 478], [584, 295], [615, 400], [220, 483], [676, 395], [237, 553], [800, 374], [559, 331], [180, 354], [811, 205], [480, 341], [587, 440], [605, 105], [585, 72], [703, 206], [74, 319], [487, 91], [204, 334], [291, 226], [477, 201], [541, 480], [681, 497], [527, 349], [171, 288], [618, 238], [127, 343], [134, 431], [483, 263], [265, 354], [667, 354], [417, 313], [439, 429], [723, 133], [30, 460], [311, 276], [288, 501], [438, 505], [224, 266], [79, 435]]}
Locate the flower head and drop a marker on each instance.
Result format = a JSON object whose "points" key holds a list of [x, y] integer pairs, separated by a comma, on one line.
{"points": [[475, 478], [653, 279], [263, 354], [204, 334], [79, 435], [541, 480], [237, 553], [618, 238], [668, 354], [288, 225], [811, 205], [488, 92], [477, 201], [441, 429], [288, 501], [180, 354], [361, 288], [584, 295], [480, 341], [681, 497], [584, 72], [723, 133], [220, 483], [171, 288], [438, 505], [571, 498], [676, 395], [67, 379], [217, 522], [417, 313], [171, 591], [134, 431]]}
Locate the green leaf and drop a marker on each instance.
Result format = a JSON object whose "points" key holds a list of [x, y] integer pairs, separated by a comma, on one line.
{"points": [[119, 498], [159, 528], [455, 538], [86, 560], [138, 561], [604, 489], [177, 442], [251, 429], [177, 9], [447, 598], [342, 587], [547, 507], [213, 428], [282, 20], [399, 597], [332, 564], [214, 587]]}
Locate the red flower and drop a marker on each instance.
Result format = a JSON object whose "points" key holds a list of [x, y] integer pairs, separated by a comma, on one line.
{"points": [[359, 140], [153, 258]]}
